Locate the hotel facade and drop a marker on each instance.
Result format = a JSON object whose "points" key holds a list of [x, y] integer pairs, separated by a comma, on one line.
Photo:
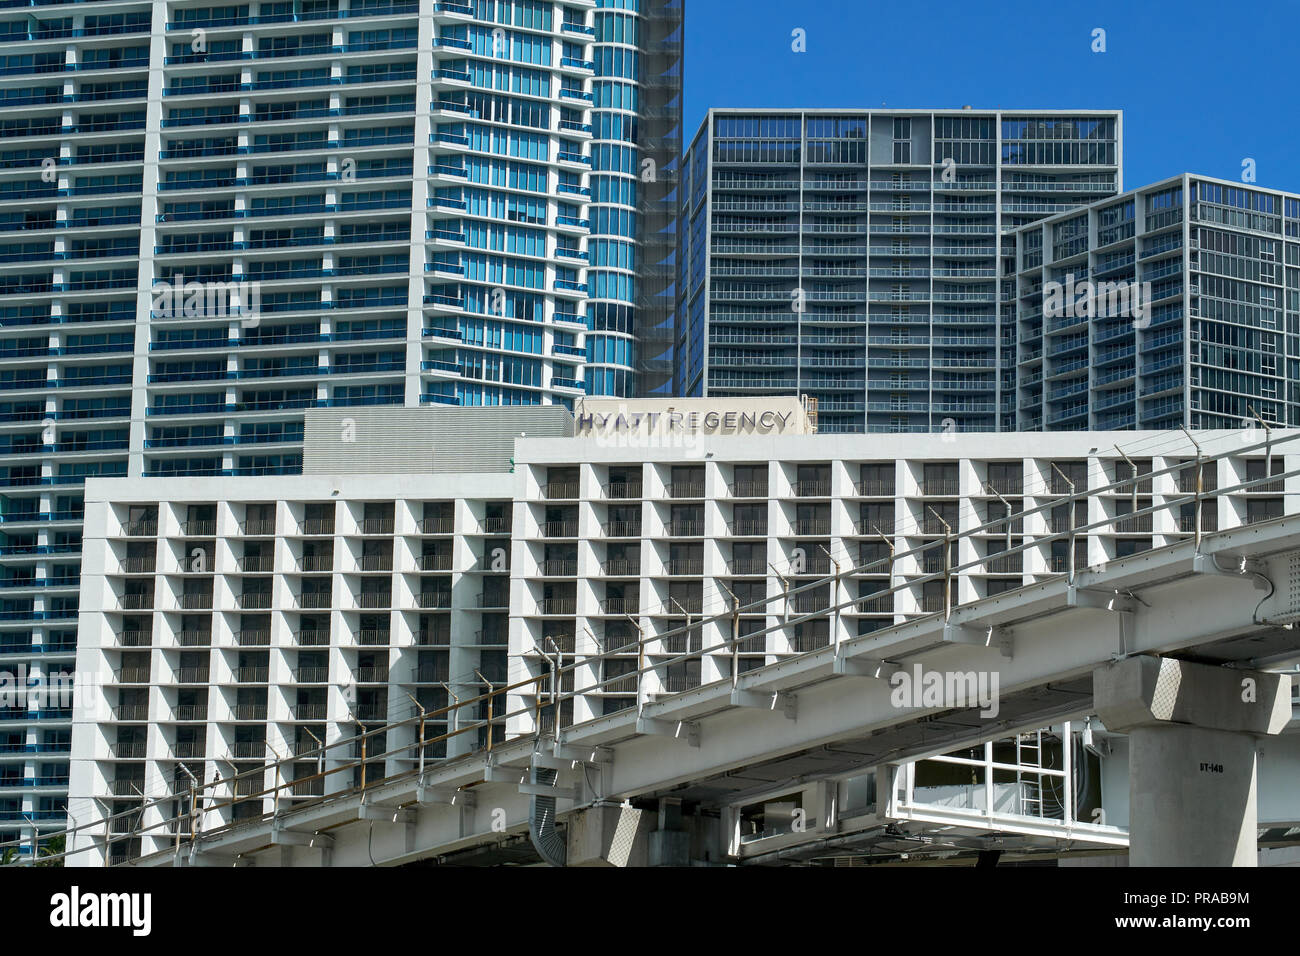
{"points": [[233, 621]]}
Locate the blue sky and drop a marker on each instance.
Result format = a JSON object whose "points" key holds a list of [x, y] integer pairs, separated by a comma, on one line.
{"points": [[1202, 85]]}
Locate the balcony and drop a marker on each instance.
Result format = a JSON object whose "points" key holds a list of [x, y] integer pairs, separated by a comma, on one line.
{"points": [[1005, 564], [316, 563], [621, 567], [308, 788], [875, 489], [939, 487], [435, 599], [194, 638], [876, 605], [1258, 484], [680, 683], [560, 606], [812, 526], [560, 490], [812, 489], [808, 604], [1139, 525], [749, 489], [432, 673], [685, 489], [620, 605], [621, 529], [623, 489]]}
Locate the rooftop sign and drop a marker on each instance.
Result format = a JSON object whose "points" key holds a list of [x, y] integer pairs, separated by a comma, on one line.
{"points": [[679, 419]]}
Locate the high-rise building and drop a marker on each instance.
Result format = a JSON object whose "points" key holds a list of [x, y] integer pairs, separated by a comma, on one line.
{"points": [[213, 217], [864, 257], [635, 151], [1174, 305]]}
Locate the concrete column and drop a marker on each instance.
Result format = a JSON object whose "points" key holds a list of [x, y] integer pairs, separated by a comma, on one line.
{"points": [[608, 835], [1192, 733]]}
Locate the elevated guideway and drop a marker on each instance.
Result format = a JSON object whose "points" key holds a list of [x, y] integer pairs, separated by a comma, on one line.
{"points": [[823, 718]]}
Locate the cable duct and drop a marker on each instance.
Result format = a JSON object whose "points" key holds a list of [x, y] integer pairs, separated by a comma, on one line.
{"points": [[541, 820]]}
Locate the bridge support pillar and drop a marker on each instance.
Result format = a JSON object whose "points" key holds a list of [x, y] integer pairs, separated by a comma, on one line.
{"points": [[608, 835], [670, 844], [1192, 732]]}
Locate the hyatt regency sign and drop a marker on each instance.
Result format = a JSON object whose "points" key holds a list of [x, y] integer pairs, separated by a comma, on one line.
{"points": [[731, 421]]}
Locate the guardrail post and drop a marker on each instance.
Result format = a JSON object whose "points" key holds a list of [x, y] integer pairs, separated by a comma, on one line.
{"points": [[835, 601], [640, 662], [735, 641], [1196, 501], [947, 562], [555, 688], [275, 796], [490, 692], [363, 754], [421, 710], [1069, 521]]}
